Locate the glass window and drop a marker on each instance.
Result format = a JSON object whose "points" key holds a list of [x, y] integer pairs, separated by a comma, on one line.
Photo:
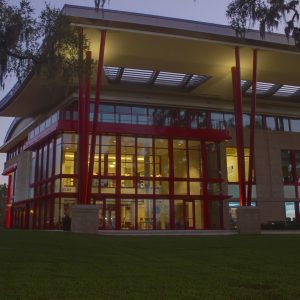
{"points": [[110, 214], [58, 156], [290, 211], [145, 214], [229, 120], [217, 120], [162, 211], [232, 164], [144, 157], [246, 120], [69, 161], [270, 123], [286, 166], [162, 187], [180, 187], [179, 158], [213, 165], [199, 222], [295, 125], [161, 158], [179, 214], [108, 186], [50, 159], [195, 161], [127, 214]]}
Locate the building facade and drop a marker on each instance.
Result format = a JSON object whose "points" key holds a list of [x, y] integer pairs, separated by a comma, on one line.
{"points": [[166, 152]]}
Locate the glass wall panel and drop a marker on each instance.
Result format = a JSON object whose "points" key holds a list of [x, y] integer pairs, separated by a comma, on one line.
{"points": [[108, 186], [110, 214], [101, 216], [270, 123], [295, 125], [127, 186], [108, 155], [232, 164], [214, 214], [213, 165], [69, 160], [128, 162], [189, 214], [286, 166], [58, 156], [50, 159], [162, 211], [45, 160], [33, 165], [180, 158], [180, 187], [199, 214], [161, 158], [162, 187], [290, 213], [68, 185], [145, 187], [144, 157], [179, 214], [195, 188], [195, 162], [145, 214], [128, 214]]}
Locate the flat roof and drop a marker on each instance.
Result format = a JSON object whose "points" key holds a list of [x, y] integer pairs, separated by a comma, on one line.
{"points": [[140, 41]]}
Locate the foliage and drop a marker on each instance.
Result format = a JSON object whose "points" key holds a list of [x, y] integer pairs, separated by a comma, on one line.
{"points": [[46, 42], [100, 3], [267, 13]]}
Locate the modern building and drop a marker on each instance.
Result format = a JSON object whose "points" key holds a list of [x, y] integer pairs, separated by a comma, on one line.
{"points": [[172, 142]]}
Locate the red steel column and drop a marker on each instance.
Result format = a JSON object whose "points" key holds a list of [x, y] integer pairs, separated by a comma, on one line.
{"points": [[252, 129], [238, 110], [96, 109], [83, 122], [8, 204]]}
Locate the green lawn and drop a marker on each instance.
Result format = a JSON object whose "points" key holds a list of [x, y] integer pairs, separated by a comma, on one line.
{"points": [[60, 265]]}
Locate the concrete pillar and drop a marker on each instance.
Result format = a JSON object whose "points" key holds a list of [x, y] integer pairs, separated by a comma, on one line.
{"points": [[248, 220], [85, 219]]}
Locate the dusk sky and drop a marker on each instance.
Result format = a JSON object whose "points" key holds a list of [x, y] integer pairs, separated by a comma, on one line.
{"points": [[212, 11]]}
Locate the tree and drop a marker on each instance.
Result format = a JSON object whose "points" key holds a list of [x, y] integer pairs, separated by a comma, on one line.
{"points": [[47, 42], [3, 197], [268, 14]]}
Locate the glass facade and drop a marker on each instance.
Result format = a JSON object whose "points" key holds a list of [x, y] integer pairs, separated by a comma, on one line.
{"points": [[138, 182]]}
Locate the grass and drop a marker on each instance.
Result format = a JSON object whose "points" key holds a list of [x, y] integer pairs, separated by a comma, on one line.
{"points": [[60, 265]]}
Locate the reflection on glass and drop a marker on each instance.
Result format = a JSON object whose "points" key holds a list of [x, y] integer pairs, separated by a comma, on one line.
{"points": [[179, 214], [180, 159], [162, 187], [127, 186], [212, 153], [101, 217], [195, 162], [108, 186], [127, 214], [145, 214], [145, 187], [162, 211], [286, 166], [110, 214]]}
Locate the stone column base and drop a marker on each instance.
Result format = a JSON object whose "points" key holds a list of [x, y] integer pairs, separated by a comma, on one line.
{"points": [[248, 220], [85, 219]]}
